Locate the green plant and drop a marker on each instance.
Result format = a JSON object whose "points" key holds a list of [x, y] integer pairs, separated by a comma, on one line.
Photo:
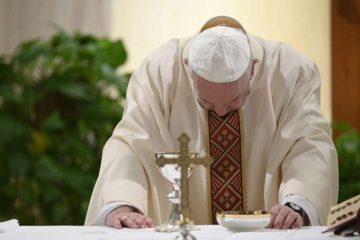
{"points": [[59, 102], [348, 148]]}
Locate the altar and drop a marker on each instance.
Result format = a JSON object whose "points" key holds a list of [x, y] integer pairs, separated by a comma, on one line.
{"points": [[205, 232]]}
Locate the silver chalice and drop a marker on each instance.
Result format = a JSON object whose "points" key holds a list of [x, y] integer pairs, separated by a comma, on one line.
{"points": [[173, 172]]}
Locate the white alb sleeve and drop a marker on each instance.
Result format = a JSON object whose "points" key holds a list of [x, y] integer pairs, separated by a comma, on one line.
{"points": [[106, 209], [306, 205]]}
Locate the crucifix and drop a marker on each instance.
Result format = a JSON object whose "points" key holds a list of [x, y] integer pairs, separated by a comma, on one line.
{"points": [[184, 161]]}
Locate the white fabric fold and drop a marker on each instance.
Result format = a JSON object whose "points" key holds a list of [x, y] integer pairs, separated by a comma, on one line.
{"points": [[8, 225]]}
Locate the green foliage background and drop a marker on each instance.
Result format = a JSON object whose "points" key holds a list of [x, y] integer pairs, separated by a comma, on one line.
{"points": [[59, 102], [348, 148]]}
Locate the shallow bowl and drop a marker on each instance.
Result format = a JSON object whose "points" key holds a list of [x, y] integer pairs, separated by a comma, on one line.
{"points": [[244, 221]]}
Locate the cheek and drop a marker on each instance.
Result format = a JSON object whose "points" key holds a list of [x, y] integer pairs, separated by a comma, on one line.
{"points": [[206, 106], [237, 105], [244, 97], [241, 101], [246, 93]]}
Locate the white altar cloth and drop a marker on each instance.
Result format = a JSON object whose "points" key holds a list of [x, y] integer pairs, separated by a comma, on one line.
{"points": [[207, 232]]}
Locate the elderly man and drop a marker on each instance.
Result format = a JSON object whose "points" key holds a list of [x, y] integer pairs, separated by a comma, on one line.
{"points": [[251, 103]]}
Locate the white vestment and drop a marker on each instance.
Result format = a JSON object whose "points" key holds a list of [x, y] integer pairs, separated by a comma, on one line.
{"points": [[286, 141]]}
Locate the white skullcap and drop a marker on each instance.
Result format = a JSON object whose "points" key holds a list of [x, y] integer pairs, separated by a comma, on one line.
{"points": [[220, 54]]}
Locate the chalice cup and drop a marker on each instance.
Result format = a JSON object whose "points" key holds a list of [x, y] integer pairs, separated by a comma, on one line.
{"points": [[172, 172]]}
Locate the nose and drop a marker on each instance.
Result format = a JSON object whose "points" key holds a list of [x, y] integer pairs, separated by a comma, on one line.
{"points": [[221, 110]]}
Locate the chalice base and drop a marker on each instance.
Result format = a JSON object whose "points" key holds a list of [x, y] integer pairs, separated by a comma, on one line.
{"points": [[185, 234], [173, 223]]}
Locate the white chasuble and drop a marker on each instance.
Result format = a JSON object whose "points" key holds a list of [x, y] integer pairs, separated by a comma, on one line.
{"points": [[286, 145]]}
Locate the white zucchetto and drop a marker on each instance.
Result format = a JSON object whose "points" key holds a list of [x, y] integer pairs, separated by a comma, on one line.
{"points": [[220, 54]]}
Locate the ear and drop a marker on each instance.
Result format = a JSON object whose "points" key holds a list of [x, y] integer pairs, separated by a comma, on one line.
{"points": [[253, 63], [186, 61]]}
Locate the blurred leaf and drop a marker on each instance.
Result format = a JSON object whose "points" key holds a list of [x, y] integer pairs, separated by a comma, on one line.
{"points": [[39, 143], [49, 170], [11, 129], [113, 53], [60, 211], [53, 122], [5, 69], [30, 51], [74, 90], [19, 164]]}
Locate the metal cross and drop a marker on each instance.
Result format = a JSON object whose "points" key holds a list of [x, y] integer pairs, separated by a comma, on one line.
{"points": [[184, 161]]}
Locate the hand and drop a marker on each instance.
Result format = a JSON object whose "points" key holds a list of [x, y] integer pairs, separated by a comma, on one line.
{"points": [[283, 217], [126, 216]]}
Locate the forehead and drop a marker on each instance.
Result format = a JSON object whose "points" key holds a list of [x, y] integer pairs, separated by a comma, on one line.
{"points": [[217, 92], [205, 84]]}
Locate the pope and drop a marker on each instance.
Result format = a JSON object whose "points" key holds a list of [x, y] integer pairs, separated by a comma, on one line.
{"points": [[251, 103]]}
